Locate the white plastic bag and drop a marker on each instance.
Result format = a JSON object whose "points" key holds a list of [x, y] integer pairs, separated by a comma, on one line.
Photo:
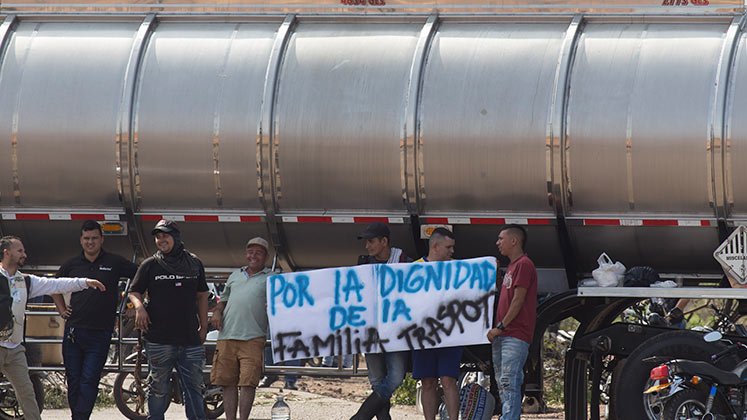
{"points": [[609, 273]]}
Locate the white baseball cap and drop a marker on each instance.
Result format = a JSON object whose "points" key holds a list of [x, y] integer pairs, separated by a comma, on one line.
{"points": [[259, 241]]}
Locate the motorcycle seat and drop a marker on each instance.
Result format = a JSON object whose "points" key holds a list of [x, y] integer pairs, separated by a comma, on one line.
{"points": [[705, 369]]}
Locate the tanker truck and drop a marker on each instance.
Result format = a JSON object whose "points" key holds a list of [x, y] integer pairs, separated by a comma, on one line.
{"points": [[601, 126]]}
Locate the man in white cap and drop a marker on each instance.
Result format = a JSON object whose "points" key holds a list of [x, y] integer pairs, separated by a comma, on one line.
{"points": [[241, 318]]}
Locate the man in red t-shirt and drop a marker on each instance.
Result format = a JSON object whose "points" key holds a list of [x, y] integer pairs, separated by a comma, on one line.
{"points": [[515, 319]]}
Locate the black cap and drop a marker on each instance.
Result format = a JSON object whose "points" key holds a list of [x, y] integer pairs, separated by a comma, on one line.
{"points": [[375, 230], [165, 225]]}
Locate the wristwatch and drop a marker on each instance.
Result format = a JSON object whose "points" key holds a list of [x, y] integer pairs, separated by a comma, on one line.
{"points": [[500, 326]]}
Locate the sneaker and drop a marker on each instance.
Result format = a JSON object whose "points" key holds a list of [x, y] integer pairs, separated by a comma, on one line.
{"points": [[291, 386]]}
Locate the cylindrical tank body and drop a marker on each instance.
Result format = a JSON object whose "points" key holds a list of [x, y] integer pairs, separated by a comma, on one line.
{"points": [[607, 130]]}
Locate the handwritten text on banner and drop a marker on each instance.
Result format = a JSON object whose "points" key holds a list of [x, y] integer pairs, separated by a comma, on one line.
{"points": [[380, 307]]}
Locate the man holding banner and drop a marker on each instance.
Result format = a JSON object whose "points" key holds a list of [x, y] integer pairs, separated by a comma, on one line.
{"points": [[385, 370], [383, 308], [442, 362], [515, 319]]}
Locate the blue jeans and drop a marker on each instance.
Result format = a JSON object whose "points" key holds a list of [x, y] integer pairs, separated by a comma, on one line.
{"points": [[386, 371], [189, 361], [509, 356], [84, 351], [331, 361]]}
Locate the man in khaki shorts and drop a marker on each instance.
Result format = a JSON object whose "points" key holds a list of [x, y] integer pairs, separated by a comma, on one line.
{"points": [[241, 318]]}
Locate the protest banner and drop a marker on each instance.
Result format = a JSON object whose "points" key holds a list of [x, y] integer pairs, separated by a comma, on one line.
{"points": [[381, 307]]}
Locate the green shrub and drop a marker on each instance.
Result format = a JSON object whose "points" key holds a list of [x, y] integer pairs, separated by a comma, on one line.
{"points": [[553, 358], [55, 397], [105, 398], [55, 394], [405, 393]]}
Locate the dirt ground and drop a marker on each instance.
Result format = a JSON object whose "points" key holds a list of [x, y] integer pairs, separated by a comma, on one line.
{"points": [[355, 390], [316, 398], [349, 389]]}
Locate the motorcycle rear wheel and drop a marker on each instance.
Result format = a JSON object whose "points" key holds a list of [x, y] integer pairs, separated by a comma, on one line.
{"points": [[633, 378], [688, 404]]}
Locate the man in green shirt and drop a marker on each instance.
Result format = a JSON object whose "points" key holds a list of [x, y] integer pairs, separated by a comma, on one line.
{"points": [[241, 318]]}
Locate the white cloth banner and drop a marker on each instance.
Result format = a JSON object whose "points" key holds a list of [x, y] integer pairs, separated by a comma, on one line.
{"points": [[381, 307]]}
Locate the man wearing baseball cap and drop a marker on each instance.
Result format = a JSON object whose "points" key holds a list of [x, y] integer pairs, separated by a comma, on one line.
{"points": [[241, 318], [385, 370], [174, 323]]}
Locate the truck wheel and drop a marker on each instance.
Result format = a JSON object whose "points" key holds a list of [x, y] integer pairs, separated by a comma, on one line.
{"points": [[628, 399]]}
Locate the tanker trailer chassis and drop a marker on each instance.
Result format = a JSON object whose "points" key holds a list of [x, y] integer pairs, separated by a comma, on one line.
{"points": [[594, 317]]}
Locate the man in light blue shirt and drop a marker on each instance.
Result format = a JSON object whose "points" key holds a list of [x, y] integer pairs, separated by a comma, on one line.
{"points": [[241, 318]]}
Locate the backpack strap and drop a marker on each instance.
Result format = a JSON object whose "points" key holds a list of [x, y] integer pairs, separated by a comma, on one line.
{"points": [[27, 280], [6, 305]]}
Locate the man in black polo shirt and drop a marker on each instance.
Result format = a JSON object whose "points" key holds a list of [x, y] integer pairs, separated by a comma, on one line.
{"points": [[175, 321], [90, 317]]}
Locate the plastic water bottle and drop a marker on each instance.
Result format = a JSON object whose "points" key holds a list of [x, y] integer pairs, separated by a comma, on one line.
{"points": [[280, 410]]}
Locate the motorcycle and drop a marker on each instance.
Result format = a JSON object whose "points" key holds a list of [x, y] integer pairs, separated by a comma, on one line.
{"points": [[725, 315], [690, 389]]}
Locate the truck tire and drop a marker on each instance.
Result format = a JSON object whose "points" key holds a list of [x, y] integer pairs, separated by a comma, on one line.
{"points": [[629, 383]]}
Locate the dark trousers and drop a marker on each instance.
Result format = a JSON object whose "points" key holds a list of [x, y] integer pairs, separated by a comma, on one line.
{"points": [[289, 379], [85, 351]]}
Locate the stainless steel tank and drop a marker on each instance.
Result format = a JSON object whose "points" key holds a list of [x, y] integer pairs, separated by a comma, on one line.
{"points": [[602, 126]]}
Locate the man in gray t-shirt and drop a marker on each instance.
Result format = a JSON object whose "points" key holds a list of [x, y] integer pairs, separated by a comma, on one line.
{"points": [[241, 318]]}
